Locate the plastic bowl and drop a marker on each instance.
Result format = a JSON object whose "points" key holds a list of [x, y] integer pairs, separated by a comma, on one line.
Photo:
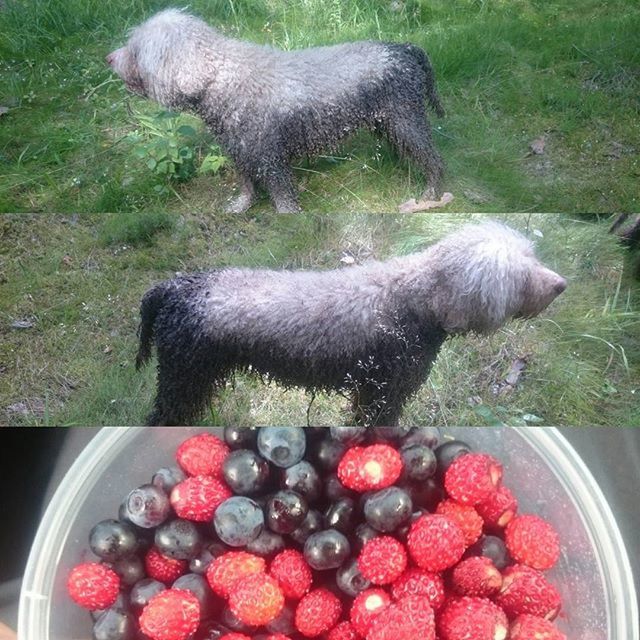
{"points": [[593, 573]]}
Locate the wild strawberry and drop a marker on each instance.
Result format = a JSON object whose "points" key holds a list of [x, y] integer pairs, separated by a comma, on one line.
{"points": [[198, 497], [411, 618], [163, 568], [234, 636], [418, 582], [435, 542], [256, 599], [498, 509], [292, 572], [476, 576], [343, 631], [473, 478], [526, 627], [366, 607], [224, 570], [526, 590], [202, 455], [276, 636], [532, 541], [317, 612], [382, 560], [472, 619], [366, 468], [173, 614], [465, 516], [93, 585]]}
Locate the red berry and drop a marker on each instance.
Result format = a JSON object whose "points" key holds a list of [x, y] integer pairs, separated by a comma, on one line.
{"points": [[292, 572], [526, 627], [465, 516], [93, 585], [162, 568], [411, 618], [277, 636], [418, 582], [198, 497], [472, 619], [532, 541], [231, 566], [473, 478], [343, 631], [234, 636], [366, 468], [499, 509], [173, 614], [317, 612], [476, 576], [202, 455], [526, 590], [435, 542], [256, 599], [366, 607], [382, 560]]}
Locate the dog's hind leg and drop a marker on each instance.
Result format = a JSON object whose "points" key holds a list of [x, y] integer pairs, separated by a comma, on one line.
{"points": [[245, 199], [280, 184]]}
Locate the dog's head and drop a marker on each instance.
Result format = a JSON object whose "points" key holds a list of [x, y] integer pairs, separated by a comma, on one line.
{"points": [[489, 273]]}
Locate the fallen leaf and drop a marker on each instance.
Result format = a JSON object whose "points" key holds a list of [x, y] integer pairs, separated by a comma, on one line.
{"points": [[413, 206]]}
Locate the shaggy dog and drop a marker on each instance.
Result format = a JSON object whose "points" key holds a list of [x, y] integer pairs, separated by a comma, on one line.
{"points": [[266, 106], [370, 331]]}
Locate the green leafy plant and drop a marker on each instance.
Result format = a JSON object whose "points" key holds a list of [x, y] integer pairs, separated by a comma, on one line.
{"points": [[170, 147]]}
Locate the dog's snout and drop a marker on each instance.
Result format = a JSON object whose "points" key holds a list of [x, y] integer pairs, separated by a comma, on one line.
{"points": [[110, 58], [560, 285]]}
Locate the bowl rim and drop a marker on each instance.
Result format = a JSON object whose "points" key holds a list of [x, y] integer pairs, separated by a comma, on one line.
{"points": [[623, 620]]}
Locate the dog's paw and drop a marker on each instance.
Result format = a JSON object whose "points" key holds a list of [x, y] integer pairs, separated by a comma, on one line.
{"points": [[413, 206]]}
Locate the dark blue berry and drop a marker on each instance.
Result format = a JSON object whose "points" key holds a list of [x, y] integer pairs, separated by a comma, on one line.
{"points": [[201, 590], [424, 494], [387, 509], [121, 604], [341, 515], [178, 539], [348, 436], [147, 506], [312, 523], [491, 547], [267, 544], [428, 436], [167, 478], [211, 631], [447, 452], [419, 462], [303, 479], [363, 533], [114, 624], [334, 489], [283, 446], [238, 521], [326, 549], [350, 580], [328, 454], [228, 619], [284, 623], [142, 591], [285, 511], [389, 434], [241, 437], [112, 540], [129, 569], [207, 554], [245, 472]]}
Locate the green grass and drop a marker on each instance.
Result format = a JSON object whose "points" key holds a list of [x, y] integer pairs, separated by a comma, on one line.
{"points": [[77, 281], [509, 72]]}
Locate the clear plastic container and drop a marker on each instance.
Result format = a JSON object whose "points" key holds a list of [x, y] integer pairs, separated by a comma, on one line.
{"points": [[593, 573]]}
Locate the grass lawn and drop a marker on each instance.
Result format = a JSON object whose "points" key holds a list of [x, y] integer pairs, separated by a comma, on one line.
{"points": [[509, 72], [70, 287]]}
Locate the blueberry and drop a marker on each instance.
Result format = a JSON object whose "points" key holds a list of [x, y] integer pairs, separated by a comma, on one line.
{"points": [[167, 478], [328, 454], [212, 631], [238, 521], [312, 523], [179, 539], [228, 619], [326, 549], [389, 434], [112, 540], [386, 510], [114, 624], [142, 591], [200, 589], [419, 462], [147, 506], [447, 452], [334, 489], [350, 580], [363, 533], [241, 437], [341, 515], [285, 511], [129, 569], [403, 530], [424, 494], [491, 547], [267, 544], [348, 436], [245, 472], [207, 554], [284, 623], [283, 446], [303, 479], [121, 604], [428, 436]]}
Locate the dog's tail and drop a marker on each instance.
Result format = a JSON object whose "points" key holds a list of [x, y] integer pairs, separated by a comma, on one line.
{"points": [[152, 302], [433, 97]]}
